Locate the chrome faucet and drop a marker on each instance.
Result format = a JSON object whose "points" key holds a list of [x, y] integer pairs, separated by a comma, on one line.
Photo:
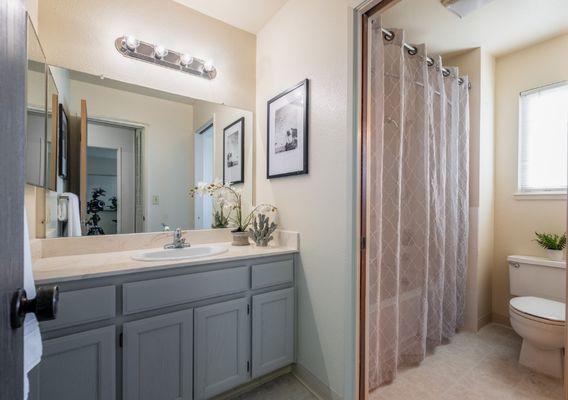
{"points": [[179, 241]]}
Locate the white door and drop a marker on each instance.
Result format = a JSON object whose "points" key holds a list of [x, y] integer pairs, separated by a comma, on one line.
{"points": [[204, 173], [121, 140]]}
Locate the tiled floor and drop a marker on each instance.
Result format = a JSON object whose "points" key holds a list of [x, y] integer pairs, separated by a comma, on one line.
{"points": [[480, 366], [286, 387]]}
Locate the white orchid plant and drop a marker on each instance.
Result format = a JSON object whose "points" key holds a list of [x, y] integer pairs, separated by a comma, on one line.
{"points": [[229, 201]]}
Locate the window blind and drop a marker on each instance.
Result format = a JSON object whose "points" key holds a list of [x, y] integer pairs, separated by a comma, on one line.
{"points": [[543, 139]]}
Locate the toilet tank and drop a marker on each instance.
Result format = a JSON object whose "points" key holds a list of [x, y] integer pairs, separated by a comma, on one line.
{"points": [[539, 277]]}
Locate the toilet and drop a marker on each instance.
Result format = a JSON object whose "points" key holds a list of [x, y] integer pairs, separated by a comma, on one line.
{"points": [[537, 312]]}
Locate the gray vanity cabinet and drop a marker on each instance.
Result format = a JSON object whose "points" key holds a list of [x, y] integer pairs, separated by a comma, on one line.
{"points": [[179, 333], [157, 357], [272, 331], [222, 347], [78, 366]]}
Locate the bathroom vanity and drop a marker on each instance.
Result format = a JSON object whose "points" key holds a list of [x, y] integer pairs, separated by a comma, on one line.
{"points": [[178, 330]]}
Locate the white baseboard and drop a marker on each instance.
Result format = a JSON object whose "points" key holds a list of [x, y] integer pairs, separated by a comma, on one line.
{"points": [[247, 387], [314, 384]]}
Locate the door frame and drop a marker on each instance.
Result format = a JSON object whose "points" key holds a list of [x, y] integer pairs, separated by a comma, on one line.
{"points": [[210, 124], [361, 60], [360, 112], [13, 64]]}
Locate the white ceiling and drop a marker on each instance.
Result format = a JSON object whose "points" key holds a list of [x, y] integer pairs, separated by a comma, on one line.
{"points": [[249, 15], [500, 27]]}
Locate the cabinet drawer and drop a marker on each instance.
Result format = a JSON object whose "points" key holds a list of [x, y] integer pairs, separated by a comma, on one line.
{"points": [[82, 306], [157, 293], [275, 273]]}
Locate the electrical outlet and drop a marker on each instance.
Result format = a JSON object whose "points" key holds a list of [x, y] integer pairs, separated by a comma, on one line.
{"points": [[155, 200]]}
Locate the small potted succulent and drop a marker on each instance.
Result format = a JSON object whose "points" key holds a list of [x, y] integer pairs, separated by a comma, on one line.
{"points": [[554, 244], [237, 218]]}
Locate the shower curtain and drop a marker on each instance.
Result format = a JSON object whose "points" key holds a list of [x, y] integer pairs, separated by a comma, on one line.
{"points": [[418, 203]]}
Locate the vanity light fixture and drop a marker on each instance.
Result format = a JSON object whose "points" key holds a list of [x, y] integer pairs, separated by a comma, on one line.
{"points": [[131, 42], [131, 47], [186, 59], [160, 51], [208, 66]]}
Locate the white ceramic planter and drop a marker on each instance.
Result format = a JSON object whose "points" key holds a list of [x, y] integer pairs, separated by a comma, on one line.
{"points": [[556, 255]]}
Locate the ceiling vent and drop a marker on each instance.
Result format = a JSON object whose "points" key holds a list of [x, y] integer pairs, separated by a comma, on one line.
{"points": [[464, 7]]}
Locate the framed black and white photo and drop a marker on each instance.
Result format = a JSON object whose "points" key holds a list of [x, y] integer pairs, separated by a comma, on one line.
{"points": [[233, 152], [63, 143], [287, 142]]}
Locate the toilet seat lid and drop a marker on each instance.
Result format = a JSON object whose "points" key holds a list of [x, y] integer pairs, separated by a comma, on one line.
{"points": [[539, 307]]}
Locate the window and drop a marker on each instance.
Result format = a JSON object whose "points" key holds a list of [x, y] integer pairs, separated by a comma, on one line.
{"points": [[543, 139]]}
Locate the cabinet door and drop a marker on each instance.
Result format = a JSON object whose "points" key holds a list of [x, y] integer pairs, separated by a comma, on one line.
{"points": [[222, 347], [79, 366], [157, 357], [272, 331]]}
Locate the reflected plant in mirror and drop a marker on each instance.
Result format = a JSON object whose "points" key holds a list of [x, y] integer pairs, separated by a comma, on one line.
{"points": [[221, 211], [232, 198], [95, 206]]}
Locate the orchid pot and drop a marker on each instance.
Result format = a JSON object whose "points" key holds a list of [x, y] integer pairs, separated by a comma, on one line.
{"points": [[240, 238]]}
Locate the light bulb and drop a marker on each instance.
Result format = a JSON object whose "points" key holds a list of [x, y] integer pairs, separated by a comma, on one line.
{"points": [[185, 59], [131, 42], [208, 66], [160, 51]]}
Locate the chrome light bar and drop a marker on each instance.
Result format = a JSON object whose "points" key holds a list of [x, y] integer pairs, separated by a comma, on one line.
{"points": [[131, 47]]}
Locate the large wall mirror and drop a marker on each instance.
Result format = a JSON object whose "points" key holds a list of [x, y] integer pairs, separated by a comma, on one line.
{"points": [[36, 117], [118, 158], [128, 155]]}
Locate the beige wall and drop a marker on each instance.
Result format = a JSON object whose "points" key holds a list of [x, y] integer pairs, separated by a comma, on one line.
{"points": [[478, 65], [80, 35], [32, 9], [517, 219], [486, 199], [310, 39]]}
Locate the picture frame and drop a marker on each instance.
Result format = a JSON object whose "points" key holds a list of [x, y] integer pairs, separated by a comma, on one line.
{"points": [[234, 152], [288, 132], [63, 144]]}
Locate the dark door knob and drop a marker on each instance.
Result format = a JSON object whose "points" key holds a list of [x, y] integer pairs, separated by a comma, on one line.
{"points": [[44, 305]]}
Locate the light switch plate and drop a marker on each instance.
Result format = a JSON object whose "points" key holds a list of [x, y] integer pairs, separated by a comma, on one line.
{"points": [[155, 200]]}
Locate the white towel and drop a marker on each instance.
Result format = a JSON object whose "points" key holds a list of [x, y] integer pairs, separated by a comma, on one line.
{"points": [[73, 215], [32, 335]]}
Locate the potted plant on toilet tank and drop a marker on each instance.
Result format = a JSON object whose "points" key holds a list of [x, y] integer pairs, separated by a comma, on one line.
{"points": [[239, 219], [554, 244]]}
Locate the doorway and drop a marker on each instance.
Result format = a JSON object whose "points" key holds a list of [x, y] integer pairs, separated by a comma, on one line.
{"points": [[111, 178], [485, 321]]}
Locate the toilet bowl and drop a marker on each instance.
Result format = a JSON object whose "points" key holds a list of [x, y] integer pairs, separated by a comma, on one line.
{"points": [[540, 323], [537, 313]]}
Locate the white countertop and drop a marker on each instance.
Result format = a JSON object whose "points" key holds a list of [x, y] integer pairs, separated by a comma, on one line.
{"points": [[83, 266]]}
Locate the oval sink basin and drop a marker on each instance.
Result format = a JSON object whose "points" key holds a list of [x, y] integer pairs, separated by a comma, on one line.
{"points": [[180, 254]]}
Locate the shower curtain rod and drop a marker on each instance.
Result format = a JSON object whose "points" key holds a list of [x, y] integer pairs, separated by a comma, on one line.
{"points": [[388, 35]]}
